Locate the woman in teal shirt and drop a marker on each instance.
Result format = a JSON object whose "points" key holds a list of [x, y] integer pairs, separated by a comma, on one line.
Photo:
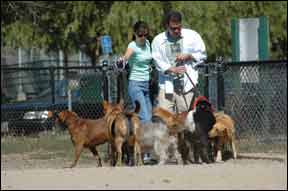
{"points": [[138, 55]]}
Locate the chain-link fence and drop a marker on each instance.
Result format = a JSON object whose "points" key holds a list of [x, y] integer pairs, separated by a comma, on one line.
{"points": [[31, 92], [254, 94]]}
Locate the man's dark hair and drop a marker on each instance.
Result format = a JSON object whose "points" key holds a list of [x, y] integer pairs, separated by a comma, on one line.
{"points": [[173, 16]]}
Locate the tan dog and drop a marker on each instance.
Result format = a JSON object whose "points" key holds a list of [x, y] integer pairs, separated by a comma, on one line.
{"points": [[223, 129], [120, 130], [85, 133], [176, 124]]}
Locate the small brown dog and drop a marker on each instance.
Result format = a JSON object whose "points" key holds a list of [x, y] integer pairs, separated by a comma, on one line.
{"points": [[223, 129], [121, 131], [85, 133]]}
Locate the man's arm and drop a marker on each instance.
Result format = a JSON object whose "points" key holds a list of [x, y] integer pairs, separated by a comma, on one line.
{"points": [[161, 61], [195, 50], [158, 55], [198, 51]]}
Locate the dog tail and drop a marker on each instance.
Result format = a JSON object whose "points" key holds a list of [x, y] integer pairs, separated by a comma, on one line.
{"points": [[129, 114], [137, 108]]}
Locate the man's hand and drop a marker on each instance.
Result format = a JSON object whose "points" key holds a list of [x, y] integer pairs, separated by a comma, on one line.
{"points": [[183, 57], [177, 69]]}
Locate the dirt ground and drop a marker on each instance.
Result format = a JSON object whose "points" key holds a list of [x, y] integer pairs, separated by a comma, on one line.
{"points": [[243, 173]]}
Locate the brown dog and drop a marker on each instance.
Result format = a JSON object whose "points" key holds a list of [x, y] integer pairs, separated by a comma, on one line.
{"points": [[85, 133], [121, 131], [223, 129]]}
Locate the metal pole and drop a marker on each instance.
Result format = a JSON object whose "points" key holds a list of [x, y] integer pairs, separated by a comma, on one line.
{"points": [[69, 98], [52, 83], [61, 64], [21, 95]]}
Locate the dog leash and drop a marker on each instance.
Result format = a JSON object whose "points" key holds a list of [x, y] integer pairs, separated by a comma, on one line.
{"points": [[194, 86], [195, 89]]}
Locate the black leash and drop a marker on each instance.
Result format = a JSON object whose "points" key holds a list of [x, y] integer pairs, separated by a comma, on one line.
{"points": [[194, 89]]}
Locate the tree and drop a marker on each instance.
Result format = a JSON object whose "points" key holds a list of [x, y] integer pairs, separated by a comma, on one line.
{"points": [[213, 21], [123, 15], [74, 25]]}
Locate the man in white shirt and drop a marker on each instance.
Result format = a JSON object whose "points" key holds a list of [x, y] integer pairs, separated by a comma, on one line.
{"points": [[176, 52]]}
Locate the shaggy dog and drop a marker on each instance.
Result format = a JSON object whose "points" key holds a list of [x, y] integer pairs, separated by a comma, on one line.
{"points": [[190, 129], [85, 133], [224, 130], [176, 129], [124, 131], [155, 140]]}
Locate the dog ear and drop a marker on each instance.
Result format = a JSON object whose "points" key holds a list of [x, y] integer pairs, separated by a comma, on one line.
{"points": [[226, 132], [221, 129], [105, 105], [120, 105], [62, 116], [50, 114]]}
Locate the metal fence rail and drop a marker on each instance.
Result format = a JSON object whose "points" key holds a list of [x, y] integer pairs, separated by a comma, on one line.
{"points": [[253, 93]]}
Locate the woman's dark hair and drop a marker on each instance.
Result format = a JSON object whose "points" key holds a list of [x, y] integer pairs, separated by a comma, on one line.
{"points": [[172, 16], [139, 26]]}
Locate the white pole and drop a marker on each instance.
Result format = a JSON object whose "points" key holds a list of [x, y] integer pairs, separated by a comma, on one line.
{"points": [[21, 95], [61, 64], [69, 99]]}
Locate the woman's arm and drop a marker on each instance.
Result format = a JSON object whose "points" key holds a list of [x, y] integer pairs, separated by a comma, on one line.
{"points": [[128, 53]]}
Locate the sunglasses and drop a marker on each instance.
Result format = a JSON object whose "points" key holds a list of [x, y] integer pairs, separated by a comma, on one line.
{"points": [[175, 28], [141, 35]]}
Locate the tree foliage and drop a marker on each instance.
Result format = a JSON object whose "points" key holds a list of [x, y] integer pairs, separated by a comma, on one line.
{"points": [[74, 25]]}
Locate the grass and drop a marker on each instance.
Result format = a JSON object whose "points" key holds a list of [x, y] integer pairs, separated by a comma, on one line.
{"points": [[252, 144], [47, 145], [51, 145]]}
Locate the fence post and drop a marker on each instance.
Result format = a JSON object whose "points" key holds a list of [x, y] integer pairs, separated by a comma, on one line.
{"points": [[120, 86], [105, 85], [220, 88], [206, 82]]}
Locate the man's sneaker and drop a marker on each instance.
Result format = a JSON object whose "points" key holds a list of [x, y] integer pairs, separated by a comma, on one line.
{"points": [[146, 158]]}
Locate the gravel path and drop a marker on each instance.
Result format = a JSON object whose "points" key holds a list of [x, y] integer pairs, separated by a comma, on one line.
{"points": [[242, 173]]}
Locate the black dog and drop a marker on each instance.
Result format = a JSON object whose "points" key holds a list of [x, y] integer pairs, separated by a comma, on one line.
{"points": [[204, 121]]}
